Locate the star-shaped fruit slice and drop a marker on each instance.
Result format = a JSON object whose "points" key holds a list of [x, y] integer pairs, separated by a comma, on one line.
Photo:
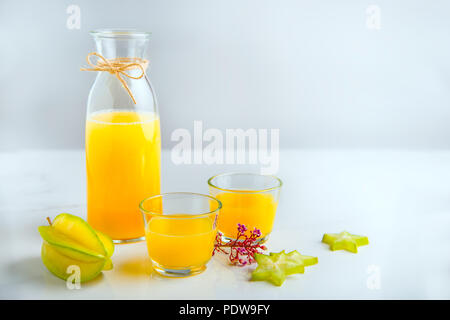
{"points": [[275, 267], [344, 241]]}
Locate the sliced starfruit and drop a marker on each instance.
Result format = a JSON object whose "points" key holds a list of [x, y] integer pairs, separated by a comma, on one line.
{"points": [[270, 268], [296, 263], [344, 241], [276, 266]]}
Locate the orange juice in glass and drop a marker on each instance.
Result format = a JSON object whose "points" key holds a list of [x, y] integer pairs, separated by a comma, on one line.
{"points": [[247, 198], [180, 229], [123, 142]]}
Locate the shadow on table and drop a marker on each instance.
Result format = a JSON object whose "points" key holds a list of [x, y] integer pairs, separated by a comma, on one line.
{"points": [[137, 267], [32, 271]]}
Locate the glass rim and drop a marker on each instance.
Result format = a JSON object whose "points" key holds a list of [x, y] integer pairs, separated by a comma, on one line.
{"points": [[181, 215], [279, 181], [120, 33]]}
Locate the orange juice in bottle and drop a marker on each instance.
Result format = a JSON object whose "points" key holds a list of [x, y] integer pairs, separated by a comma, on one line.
{"points": [[123, 167]]}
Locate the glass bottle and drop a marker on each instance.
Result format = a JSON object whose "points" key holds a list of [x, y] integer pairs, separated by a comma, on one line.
{"points": [[123, 141]]}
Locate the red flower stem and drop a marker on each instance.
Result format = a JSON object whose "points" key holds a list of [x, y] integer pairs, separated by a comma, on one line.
{"points": [[228, 245], [242, 249]]}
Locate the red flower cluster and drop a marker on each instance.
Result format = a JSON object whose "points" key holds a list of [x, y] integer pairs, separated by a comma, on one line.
{"points": [[242, 248]]}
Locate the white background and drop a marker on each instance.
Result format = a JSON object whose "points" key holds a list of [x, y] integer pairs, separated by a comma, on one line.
{"points": [[313, 69]]}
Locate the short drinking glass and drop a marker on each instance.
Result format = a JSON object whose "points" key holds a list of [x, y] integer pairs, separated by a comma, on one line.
{"points": [[247, 198], [180, 229]]}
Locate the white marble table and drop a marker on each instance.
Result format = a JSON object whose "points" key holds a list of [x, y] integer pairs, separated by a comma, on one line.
{"points": [[400, 200]]}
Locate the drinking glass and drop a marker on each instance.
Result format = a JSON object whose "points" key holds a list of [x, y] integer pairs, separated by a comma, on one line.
{"points": [[180, 229], [250, 199]]}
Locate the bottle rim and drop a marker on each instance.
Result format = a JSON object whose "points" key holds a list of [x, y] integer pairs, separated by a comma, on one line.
{"points": [[120, 33]]}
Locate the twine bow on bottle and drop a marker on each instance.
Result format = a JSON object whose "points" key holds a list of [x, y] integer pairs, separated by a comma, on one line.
{"points": [[118, 66]]}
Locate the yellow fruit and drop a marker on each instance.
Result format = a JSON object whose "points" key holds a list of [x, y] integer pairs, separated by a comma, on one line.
{"points": [[64, 243], [107, 243], [70, 242], [109, 247], [78, 230], [57, 262], [108, 265]]}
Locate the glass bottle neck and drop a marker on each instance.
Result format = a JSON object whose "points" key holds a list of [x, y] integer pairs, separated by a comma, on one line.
{"points": [[121, 43], [130, 89], [112, 48]]}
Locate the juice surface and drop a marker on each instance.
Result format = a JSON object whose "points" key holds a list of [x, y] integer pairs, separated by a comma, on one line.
{"points": [[255, 210], [123, 155], [180, 243]]}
